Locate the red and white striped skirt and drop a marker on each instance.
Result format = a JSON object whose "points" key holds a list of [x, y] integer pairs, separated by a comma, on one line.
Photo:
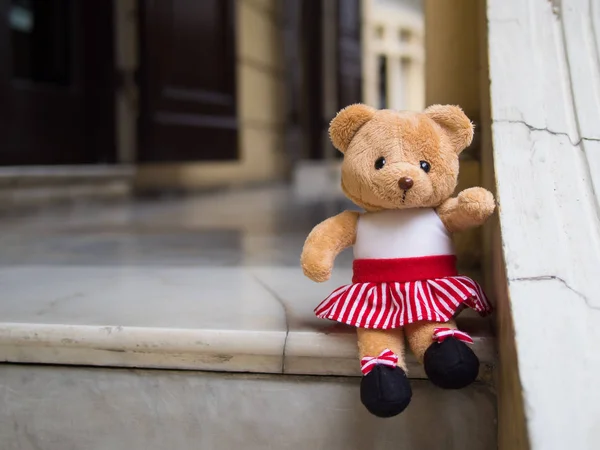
{"points": [[390, 293]]}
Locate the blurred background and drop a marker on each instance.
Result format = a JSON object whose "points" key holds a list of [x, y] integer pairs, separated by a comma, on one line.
{"points": [[161, 165], [162, 162], [124, 122]]}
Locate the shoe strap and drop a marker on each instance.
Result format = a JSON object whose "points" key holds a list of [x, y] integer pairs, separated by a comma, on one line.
{"points": [[386, 358], [441, 334]]}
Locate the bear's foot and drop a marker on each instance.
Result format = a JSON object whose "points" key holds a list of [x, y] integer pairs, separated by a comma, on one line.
{"points": [[385, 391], [451, 364]]}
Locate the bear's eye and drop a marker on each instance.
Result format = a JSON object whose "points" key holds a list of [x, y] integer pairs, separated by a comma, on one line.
{"points": [[379, 163], [425, 166]]}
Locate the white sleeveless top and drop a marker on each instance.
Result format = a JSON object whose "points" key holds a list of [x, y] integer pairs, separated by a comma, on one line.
{"points": [[403, 233]]}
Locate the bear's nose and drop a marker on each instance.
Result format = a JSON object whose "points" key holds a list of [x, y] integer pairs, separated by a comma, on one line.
{"points": [[405, 183]]}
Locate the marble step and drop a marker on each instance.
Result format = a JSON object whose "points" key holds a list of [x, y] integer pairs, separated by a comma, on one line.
{"points": [[42, 185], [241, 360], [75, 408], [227, 319]]}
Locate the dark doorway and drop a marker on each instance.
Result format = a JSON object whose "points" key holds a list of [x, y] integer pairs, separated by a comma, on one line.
{"points": [[187, 80], [56, 82], [304, 45], [349, 60]]}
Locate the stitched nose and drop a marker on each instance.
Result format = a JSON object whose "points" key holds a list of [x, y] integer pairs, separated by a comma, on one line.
{"points": [[405, 183]]}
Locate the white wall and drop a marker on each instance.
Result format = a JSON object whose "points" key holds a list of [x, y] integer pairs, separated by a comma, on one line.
{"points": [[394, 29]]}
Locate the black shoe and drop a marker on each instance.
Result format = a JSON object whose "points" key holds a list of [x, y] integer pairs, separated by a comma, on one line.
{"points": [[385, 391], [451, 364]]}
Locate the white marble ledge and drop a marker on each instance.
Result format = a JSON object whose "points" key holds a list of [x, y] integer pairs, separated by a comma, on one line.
{"points": [[545, 108], [223, 319]]}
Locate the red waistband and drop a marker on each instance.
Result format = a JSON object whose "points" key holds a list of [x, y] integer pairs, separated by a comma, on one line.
{"points": [[403, 270]]}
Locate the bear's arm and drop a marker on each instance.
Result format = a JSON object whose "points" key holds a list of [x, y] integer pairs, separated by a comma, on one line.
{"points": [[325, 242], [471, 208]]}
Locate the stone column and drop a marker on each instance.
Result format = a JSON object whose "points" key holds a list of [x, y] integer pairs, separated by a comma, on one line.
{"points": [[452, 76], [452, 49]]}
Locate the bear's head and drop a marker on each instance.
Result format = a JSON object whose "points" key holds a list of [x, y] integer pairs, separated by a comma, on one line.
{"points": [[400, 159]]}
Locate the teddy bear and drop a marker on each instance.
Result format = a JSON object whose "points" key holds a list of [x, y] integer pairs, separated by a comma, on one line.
{"points": [[401, 168]]}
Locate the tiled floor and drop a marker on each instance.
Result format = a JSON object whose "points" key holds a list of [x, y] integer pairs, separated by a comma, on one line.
{"points": [[208, 282]]}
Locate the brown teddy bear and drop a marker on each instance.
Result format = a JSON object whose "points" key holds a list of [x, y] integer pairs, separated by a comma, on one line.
{"points": [[402, 168]]}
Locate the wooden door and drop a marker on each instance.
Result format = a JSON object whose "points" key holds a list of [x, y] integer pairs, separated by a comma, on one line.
{"points": [[56, 82], [188, 107]]}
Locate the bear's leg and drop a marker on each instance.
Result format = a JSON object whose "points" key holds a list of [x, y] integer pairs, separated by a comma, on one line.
{"points": [[385, 390], [448, 363]]}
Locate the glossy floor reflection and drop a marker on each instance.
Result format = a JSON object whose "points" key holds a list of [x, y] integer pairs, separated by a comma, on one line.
{"points": [[257, 226]]}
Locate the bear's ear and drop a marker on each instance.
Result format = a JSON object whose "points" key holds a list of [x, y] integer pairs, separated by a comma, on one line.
{"points": [[454, 121], [346, 124]]}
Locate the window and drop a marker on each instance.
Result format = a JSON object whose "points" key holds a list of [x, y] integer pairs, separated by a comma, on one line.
{"points": [[405, 35], [383, 82]]}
